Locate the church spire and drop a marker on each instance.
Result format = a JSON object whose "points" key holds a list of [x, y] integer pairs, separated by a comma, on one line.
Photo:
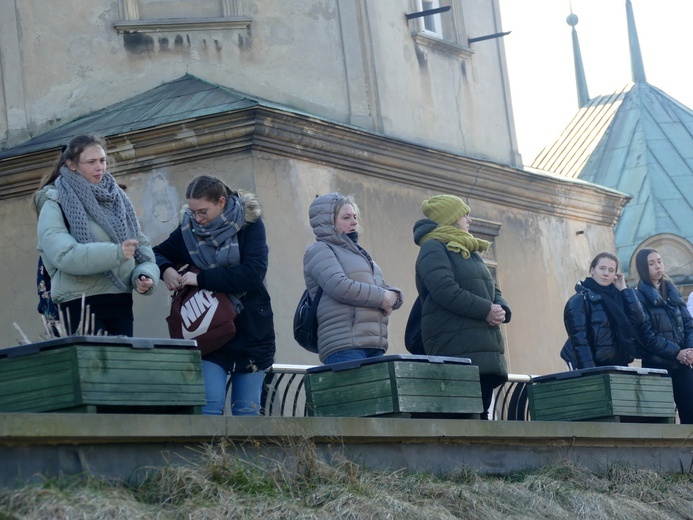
{"points": [[580, 79], [636, 64]]}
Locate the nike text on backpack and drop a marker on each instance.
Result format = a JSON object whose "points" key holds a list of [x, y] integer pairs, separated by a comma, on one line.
{"points": [[203, 315]]}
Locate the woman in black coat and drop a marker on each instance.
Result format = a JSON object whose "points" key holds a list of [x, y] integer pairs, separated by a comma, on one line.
{"points": [[599, 317], [222, 234], [672, 345]]}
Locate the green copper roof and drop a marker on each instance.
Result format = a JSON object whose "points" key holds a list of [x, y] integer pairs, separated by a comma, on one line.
{"points": [[638, 141], [185, 98]]}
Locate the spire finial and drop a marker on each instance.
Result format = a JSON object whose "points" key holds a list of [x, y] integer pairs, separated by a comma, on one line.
{"points": [[636, 64], [580, 79]]}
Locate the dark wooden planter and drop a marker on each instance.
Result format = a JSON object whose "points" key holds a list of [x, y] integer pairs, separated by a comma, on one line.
{"points": [[618, 394], [102, 374], [395, 386]]}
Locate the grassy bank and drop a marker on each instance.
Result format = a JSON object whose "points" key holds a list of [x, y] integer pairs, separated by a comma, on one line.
{"points": [[305, 485]]}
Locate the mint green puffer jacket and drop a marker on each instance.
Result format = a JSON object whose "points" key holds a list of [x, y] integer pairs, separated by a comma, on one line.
{"points": [[77, 269]]}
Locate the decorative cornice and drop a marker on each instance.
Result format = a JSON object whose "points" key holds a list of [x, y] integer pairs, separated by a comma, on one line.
{"points": [[181, 24], [302, 137]]}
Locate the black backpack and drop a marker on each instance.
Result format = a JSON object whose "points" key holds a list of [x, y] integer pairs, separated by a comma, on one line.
{"points": [[412, 334], [46, 305], [306, 321]]}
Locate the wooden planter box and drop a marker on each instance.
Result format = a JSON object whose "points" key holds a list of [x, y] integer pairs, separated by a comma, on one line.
{"points": [[102, 374], [395, 386], [613, 393]]}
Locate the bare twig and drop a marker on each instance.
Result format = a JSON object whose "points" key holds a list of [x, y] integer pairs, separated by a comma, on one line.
{"points": [[24, 340]]}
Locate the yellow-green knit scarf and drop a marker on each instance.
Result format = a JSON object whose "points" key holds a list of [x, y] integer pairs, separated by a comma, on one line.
{"points": [[457, 240]]}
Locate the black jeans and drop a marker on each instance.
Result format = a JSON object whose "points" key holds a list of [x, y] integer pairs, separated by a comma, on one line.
{"points": [[488, 384], [112, 314], [682, 383]]}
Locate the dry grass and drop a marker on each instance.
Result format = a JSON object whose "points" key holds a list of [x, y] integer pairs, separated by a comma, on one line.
{"points": [[302, 484]]}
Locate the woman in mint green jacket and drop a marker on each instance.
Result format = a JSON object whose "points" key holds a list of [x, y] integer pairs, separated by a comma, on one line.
{"points": [[90, 241]]}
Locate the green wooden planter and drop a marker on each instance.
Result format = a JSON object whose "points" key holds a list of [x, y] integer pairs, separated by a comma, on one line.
{"points": [[102, 374], [395, 386], [618, 394]]}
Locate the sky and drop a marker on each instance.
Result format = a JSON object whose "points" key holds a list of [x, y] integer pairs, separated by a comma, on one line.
{"points": [[540, 57]]}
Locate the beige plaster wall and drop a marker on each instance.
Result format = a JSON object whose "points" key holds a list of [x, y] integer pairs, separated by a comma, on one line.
{"points": [[350, 61]]}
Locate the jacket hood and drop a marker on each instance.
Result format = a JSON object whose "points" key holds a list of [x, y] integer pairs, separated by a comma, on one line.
{"points": [[48, 192], [251, 206], [654, 296], [581, 288], [321, 214], [422, 228]]}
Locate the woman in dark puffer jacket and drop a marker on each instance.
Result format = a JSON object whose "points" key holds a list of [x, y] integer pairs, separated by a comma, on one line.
{"points": [[672, 346], [601, 316]]}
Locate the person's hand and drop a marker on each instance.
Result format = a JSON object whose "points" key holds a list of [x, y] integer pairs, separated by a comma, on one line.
{"points": [[189, 279], [620, 282], [129, 247], [389, 302], [685, 356], [172, 279], [496, 315], [144, 283]]}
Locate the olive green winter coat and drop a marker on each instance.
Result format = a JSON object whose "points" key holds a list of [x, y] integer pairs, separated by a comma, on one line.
{"points": [[457, 294]]}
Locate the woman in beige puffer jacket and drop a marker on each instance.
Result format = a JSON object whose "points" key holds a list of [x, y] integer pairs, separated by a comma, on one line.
{"points": [[356, 302]]}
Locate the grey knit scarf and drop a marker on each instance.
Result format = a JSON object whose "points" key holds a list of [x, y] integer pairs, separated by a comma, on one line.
{"points": [[106, 203], [215, 243]]}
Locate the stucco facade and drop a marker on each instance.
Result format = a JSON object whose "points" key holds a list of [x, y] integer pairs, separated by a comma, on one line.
{"points": [[374, 110]]}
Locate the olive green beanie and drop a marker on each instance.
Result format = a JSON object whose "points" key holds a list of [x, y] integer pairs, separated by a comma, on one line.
{"points": [[444, 210]]}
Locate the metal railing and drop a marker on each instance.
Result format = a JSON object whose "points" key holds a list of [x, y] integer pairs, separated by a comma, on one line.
{"points": [[284, 395]]}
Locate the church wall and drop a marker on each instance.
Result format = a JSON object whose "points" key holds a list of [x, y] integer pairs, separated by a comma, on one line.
{"points": [[354, 62]]}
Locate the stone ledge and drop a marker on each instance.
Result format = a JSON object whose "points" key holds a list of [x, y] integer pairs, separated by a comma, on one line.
{"points": [[32, 429], [181, 25], [128, 447]]}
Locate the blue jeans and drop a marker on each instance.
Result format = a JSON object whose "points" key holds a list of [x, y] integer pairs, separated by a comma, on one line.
{"points": [[352, 354], [246, 390]]}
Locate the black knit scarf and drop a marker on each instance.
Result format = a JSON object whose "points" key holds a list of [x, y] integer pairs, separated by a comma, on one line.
{"points": [[615, 312]]}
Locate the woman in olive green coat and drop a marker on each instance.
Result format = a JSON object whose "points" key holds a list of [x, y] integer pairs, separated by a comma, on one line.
{"points": [[462, 308]]}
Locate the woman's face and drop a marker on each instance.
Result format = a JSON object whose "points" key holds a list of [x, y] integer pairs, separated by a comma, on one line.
{"points": [[604, 272], [346, 220], [91, 164], [464, 222], [204, 211], [656, 267]]}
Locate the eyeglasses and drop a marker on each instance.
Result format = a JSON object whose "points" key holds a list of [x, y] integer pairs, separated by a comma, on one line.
{"points": [[200, 213]]}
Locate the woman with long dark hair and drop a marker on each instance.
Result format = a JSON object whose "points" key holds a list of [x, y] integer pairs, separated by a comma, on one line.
{"points": [[671, 348], [223, 235], [90, 241]]}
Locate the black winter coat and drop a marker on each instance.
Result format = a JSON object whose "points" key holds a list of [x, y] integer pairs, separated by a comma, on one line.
{"points": [[253, 347], [593, 340], [671, 324]]}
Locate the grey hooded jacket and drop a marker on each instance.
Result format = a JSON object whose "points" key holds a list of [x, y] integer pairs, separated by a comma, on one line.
{"points": [[350, 312]]}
